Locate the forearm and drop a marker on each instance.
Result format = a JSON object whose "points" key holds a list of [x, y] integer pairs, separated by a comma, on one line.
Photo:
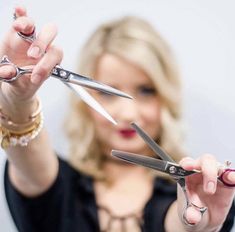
{"points": [[33, 168], [173, 222]]}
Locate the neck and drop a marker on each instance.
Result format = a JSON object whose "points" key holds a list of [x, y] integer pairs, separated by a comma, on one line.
{"points": [[118, 171], [125, 181]]}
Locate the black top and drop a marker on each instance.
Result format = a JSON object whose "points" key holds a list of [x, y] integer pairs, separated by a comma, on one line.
{"points": [[70, 206]]}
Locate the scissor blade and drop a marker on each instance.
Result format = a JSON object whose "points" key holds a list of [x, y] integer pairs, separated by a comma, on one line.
{"points": [[89, 83], [86, 97], [172, 169], [77, 79], [142, 160], [152, 144]]}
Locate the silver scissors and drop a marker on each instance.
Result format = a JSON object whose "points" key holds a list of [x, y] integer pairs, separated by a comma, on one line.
{"points": [[68, 78], [167, 165]]}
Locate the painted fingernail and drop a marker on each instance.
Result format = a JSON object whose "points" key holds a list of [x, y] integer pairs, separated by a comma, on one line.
{"points": [[34, 52], [210, 187], [36, 79]]}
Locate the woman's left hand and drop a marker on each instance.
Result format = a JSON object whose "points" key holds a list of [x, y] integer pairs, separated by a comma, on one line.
{"points": [[204, 189]]}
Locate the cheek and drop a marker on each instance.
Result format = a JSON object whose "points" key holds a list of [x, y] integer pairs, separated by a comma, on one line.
{"points": [[102, 125], [152, 112], [97, 118], [151, 116]]}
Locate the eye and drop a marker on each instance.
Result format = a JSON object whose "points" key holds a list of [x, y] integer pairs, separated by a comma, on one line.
{"points": [[147, 91]]}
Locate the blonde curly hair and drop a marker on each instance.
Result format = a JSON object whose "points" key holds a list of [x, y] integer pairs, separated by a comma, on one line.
{"points": [[136, 41]]}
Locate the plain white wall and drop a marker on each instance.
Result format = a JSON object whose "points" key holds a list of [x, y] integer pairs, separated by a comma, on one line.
{"points": [[202, 34]]}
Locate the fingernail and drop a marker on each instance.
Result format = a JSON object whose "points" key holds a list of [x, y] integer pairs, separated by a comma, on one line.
{"points": [[36, 79], [210, 187], [34, 52]]}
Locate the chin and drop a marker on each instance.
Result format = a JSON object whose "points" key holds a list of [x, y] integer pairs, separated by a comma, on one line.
{"points": [[128, 147]]}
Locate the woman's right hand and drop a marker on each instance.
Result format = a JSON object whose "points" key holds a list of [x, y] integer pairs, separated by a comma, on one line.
{"points": [[40, 55]]}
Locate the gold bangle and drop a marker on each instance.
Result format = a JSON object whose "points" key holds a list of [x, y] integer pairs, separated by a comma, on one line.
{"points": [[21, 138], [20, 131], [5, 119]]}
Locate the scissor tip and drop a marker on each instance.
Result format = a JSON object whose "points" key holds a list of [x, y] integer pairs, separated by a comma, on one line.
{"points": [[114, 122], [134, 125], [125, 95], [113, 152], [130, 97], [116, 153]]}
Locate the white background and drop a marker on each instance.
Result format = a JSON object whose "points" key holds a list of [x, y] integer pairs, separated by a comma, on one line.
{"points": [[202, 34]]}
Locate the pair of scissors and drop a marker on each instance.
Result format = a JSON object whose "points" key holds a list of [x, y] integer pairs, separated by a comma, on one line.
{"points": [[68, 78], [167, 165]]}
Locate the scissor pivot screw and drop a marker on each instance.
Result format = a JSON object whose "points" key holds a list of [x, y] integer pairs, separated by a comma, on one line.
{"points": [[172, 169], [63, 73]]}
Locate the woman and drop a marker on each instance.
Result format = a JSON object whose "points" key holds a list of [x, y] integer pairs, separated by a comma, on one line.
{"points": [[94, 192]]}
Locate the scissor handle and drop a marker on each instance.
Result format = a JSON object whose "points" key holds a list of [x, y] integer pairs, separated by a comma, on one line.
{"points": [[222, 177], [201, 210], [18, 71], [28, 37]]}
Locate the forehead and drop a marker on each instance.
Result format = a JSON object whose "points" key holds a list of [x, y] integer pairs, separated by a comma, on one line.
{"points": [[115, 70]]}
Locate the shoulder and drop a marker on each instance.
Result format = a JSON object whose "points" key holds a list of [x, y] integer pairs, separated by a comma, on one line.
{"points": [[74, 177]]}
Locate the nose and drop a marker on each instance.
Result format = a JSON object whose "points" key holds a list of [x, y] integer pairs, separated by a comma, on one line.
{"points": [[127, 110]]}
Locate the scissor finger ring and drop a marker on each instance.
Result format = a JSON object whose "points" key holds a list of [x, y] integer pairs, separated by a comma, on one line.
{"points": [[18, 71], [223, 178], [223, 171], [202, 210], [26, 37]]}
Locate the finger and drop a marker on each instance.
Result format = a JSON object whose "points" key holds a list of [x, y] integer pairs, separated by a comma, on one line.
{"points": [[24, 25], [189, 163], [209, 167], [13, 43], [43, 69], [20, 11], [7, 71], [42, 42], [193, 216], [231, 177], [228, 177]]}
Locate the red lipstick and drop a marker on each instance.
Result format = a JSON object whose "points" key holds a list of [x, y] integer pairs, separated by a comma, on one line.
{"points": [[127, 133]]}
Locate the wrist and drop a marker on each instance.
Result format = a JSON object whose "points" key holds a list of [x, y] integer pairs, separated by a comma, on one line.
{"points": [[13, 134], [19, 112]]}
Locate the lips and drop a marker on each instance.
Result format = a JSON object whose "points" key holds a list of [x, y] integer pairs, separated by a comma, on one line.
{"points": [[127, 133]]}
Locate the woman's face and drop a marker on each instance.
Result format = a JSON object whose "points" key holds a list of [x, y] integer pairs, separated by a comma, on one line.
{"points": [[144, 109]]}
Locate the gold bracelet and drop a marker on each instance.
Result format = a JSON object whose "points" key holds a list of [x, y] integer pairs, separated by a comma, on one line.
{"points": [[7, 121], [25, 130], [21, 138]]}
